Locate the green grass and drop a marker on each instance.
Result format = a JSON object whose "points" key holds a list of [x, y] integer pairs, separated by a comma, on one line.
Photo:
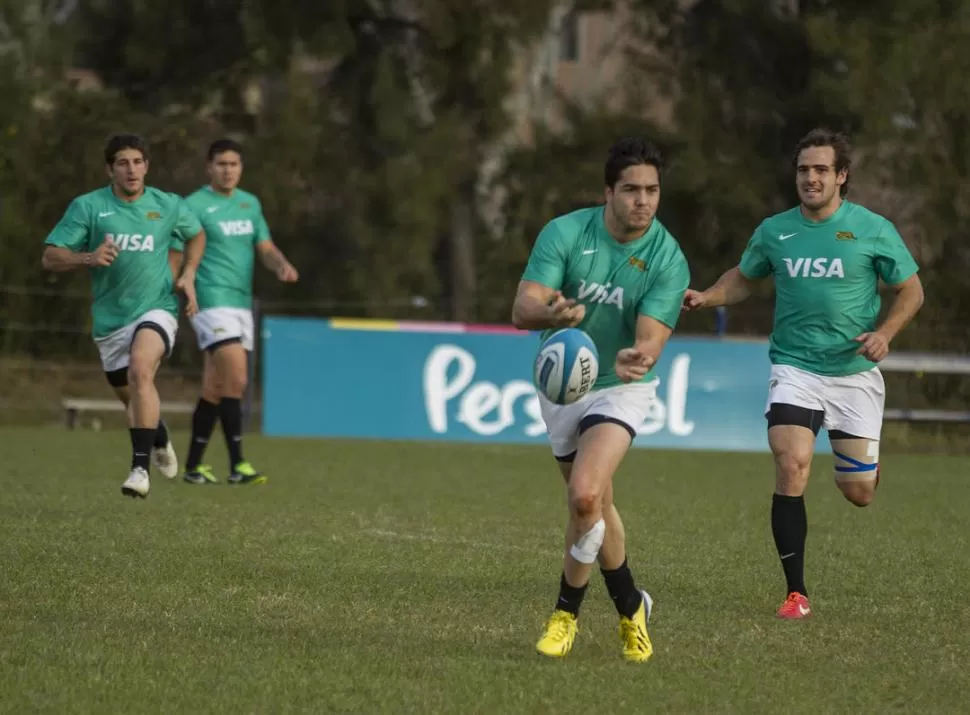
{"points": [[377, 577]]}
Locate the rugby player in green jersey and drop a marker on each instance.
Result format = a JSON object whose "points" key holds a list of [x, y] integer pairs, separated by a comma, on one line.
{"points": [[122, 234], [236, 231], [826, 257], [615, 272]]}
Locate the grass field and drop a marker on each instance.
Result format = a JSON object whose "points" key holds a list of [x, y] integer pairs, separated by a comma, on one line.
{"points": [[377, 577]]}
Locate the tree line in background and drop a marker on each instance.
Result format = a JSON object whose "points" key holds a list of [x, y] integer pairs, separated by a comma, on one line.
{"points": [[381, 137]]}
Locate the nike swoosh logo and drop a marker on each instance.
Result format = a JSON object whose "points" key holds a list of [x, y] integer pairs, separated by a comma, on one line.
{"points": [[786, 236], [804, 611], [212, 209], [105, 214], [589, 251]]}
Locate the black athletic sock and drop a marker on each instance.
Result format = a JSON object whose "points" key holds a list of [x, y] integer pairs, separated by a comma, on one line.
{"points": [[789, 524], [141, 446], [570, 597], [203, 422], [230, 409], [161, 434], [622, 589]]}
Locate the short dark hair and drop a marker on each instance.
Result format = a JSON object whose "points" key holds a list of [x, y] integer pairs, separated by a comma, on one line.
{"points": [[220, 146], [840, 144], [122, 140], [631, 151]]}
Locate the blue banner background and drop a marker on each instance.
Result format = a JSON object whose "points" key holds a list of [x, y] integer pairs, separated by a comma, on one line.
{"points": [[321, 381]]}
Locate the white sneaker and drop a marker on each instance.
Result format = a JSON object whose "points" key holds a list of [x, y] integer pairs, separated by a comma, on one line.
{"points": [[137, 484], [165, 460]]}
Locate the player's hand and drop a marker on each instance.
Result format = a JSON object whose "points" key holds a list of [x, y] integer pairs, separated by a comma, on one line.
{"points": [[875, 346], [565, 312], [694, 300], [186, 285], [287, 273], [105, 254], [632, 365]]}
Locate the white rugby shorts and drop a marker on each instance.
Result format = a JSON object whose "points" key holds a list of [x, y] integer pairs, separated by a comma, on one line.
{"points": [[853, 404], [115, 349], [218, 325], [627, 405]]}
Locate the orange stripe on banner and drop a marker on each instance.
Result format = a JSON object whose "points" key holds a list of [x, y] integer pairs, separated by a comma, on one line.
{"points": [[363, 324]]}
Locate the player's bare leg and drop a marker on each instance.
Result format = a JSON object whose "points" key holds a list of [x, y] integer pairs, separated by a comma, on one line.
{"points": [[792, 447], [163, 451], [613, 551], [204, 420], [856, 466], [589, 488], [231, 364], [147, 350]]}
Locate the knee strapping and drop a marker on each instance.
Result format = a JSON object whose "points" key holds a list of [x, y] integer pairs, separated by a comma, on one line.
{"points": [[856, 460], [587, 548]]}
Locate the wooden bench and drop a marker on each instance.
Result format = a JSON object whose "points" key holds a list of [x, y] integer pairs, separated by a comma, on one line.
{"points": [[76, 407]]}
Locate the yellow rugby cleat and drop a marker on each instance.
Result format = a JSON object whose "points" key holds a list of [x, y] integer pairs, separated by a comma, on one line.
{"points": [[637, 647], [557, 639]]}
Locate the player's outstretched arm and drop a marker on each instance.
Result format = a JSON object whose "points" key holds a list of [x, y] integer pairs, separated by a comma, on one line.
{"points": [[633, 363], [906, 303], [273, 258], [538, 307], [732, 287]]}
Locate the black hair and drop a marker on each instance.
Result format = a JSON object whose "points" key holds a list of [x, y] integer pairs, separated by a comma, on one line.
{"points": [[220, 146], [840, 145], [627, 152], [117, 142]]}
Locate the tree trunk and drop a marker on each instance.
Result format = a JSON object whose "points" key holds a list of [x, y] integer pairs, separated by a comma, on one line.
{"points": [[461, 251]]}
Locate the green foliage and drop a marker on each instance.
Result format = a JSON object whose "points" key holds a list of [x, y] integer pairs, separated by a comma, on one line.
{"points": [[375, 122]]}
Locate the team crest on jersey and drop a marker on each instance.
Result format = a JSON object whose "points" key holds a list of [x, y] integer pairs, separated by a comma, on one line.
{"points": [[637, 263], [245, 205], [153, 216], [844, 236]]}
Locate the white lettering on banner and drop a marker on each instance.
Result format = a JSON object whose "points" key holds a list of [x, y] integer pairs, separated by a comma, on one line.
{"points": [[674, 413], [449, 372], [479, 400]]}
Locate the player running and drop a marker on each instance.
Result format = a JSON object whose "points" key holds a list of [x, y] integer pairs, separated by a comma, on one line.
{"points": [[122, 233], [235, 226], [826, 257], [618, 274]]}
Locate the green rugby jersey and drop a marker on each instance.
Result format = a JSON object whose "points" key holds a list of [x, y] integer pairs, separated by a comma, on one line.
{"points": [[234, 225], [826, 277], [617, 282], [139, 279]]}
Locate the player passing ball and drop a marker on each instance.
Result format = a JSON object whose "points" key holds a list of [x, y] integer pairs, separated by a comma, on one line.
{"points": [[615, 272]]}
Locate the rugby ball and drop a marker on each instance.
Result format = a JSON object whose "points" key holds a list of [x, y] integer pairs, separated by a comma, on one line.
{"points": [[566, 367]]}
